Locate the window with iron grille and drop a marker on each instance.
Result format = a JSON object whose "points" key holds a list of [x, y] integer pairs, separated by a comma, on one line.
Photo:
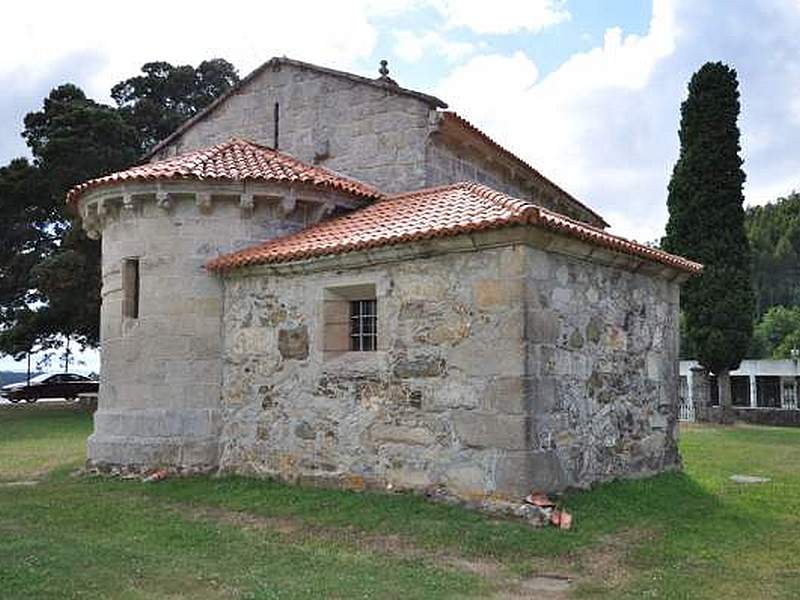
{"points": [[363, 325]]}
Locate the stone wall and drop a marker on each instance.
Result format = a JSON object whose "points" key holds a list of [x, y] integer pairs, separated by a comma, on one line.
{"points": [[381, 137], [448, 161], [497, 371], [161, 372], [360, 130], [781, 417], [602, 364]]}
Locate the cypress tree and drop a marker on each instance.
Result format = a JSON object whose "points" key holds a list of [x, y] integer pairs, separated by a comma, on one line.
{"points": [[706, 223]]}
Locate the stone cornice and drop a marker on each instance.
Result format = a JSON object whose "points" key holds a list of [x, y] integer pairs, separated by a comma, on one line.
{"points": [[471, 242], [97, 207]]}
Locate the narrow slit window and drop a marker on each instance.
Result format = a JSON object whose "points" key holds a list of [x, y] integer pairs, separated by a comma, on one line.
{"points": [[363, 325], [276, 117], [130, 288]]}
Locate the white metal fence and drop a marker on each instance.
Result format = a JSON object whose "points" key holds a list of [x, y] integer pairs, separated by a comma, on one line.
{"points": [[686, 407]]}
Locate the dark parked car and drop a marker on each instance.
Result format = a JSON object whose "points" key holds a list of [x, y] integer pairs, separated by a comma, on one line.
{"points": [[59, 385]]}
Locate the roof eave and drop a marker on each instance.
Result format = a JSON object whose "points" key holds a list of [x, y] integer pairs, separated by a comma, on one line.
{"points": [[678, 270]]}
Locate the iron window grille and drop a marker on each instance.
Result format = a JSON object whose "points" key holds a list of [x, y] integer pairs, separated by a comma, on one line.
{"points": [[363, 325]]}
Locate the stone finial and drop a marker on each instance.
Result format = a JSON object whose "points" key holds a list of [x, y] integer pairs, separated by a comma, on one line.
{"points": [[384, 72]]}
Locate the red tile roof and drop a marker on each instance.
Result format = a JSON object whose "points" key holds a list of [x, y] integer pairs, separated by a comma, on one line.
{"points": [[435, 212], [456, 120], [234, 160]]}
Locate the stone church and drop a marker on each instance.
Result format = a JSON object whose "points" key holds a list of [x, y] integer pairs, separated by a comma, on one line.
{"points": [[331, 278]]}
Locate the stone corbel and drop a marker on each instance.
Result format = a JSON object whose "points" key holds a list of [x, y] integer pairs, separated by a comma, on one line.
{"points": [[204, 204], [434, 121], [91, 221], [287, 203], [102, 210], [128, 206], [323, 210], [247, 203], [163, 201]]}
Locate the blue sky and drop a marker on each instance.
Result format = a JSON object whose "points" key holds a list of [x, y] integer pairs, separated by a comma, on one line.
{"points": [[588, 91], [587, 22]]}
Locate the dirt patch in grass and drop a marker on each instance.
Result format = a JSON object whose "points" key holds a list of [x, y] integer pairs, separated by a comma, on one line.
{"points": [[507, 585], [604, 565], [284, 525], [390, 544]]}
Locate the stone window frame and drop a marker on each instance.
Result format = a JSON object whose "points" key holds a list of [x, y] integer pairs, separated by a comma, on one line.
{"points": [[337, 321]]}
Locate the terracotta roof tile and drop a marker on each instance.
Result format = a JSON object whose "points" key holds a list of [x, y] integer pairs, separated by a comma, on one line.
{"points": [[234, 160], [434, 212]]}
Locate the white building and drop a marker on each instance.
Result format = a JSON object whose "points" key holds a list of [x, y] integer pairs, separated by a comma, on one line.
{"points": [[755, 384]]}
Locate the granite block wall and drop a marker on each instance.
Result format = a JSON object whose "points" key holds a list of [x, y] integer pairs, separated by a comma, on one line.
{"points": [[161, 374], [363, 131], [497, 371]]}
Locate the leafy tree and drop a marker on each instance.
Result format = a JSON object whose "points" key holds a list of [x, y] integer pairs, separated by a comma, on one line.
{"points": [[777, 333], [73, 138], [27, 237], [686, 350], [774, 234], [52, 289], [159, 101], [49, 269], [706, 223]]}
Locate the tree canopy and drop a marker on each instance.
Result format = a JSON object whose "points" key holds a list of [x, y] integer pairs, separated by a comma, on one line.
{"points": [[27, 237], [777, 333], [706, 220], [49, 269], [156, 103], [774, 233]]}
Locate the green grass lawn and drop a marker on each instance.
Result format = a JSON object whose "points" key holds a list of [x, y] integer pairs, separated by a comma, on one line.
{"points": [[681, 535]]}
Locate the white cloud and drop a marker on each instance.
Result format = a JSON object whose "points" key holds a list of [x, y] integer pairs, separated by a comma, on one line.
{"points": [[35, 38], [514, 74], [411, 46], [604, 123], [502, 16]]}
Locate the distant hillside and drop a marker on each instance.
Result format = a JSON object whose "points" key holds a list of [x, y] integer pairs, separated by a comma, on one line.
{"points": [[774, 233], [7, 377]]}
